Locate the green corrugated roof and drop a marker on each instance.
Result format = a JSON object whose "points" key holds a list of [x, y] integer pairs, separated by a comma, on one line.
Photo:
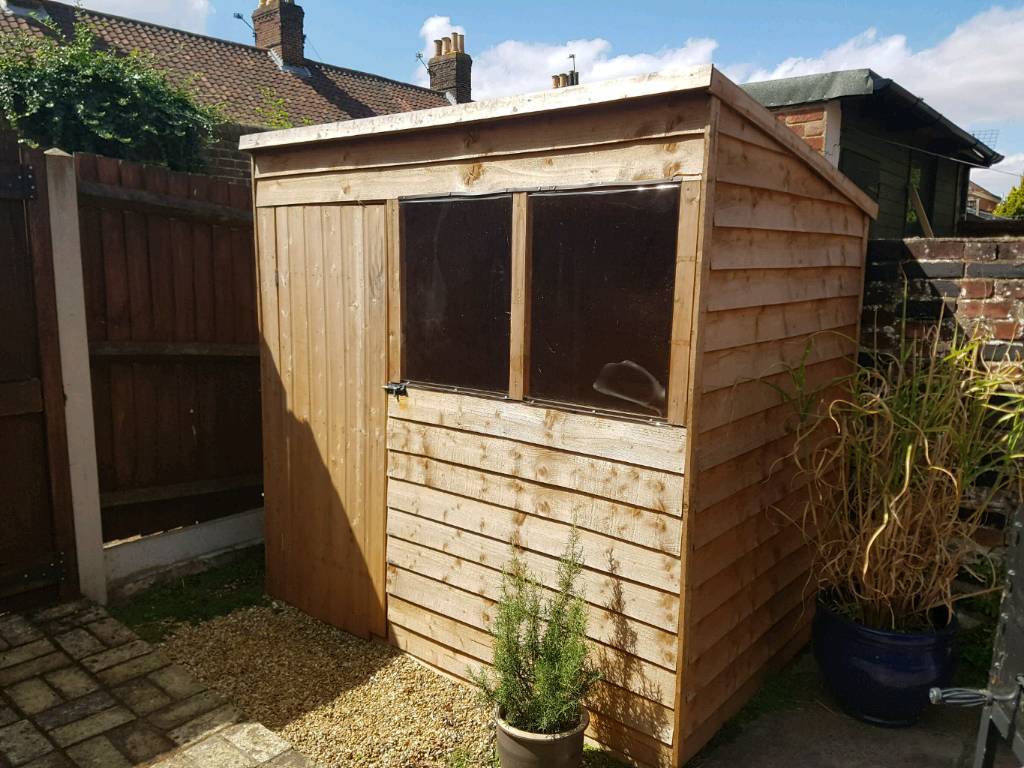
{"points": [[789, 91], [808, 89]]}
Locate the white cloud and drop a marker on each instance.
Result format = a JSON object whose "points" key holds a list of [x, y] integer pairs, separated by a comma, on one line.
{"points": [[972, 76], [1001, 183], [180, 14], [515, 66]]}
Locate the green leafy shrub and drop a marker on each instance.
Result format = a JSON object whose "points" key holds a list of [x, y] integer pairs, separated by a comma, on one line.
{"points": [[542, 672], [66, 93], [1012, 206]]}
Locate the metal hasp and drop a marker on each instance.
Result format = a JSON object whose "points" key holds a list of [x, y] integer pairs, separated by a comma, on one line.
{"points": [[18, 183], [397, 388]]}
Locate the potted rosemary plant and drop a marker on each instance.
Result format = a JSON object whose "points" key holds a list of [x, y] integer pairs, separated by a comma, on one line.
{"points": [[542, 673], [889, 465]]}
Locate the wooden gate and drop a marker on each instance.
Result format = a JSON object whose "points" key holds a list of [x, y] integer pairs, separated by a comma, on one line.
{"points": [[36, 527]]}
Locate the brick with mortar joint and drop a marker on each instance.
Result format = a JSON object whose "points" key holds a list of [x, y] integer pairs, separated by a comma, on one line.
{"points": [[998, 309], [977, 289], [1007, 330], [802, 116], [981, 250], [815, 128], [1000, 270], [817, 143], [924, 249]]}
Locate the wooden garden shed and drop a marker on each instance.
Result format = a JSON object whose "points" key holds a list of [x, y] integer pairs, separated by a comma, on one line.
{"points": [[588, 293]]}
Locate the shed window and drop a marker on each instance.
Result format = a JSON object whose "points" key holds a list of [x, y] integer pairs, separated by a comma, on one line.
{"points": [[456, 259], [602, 294]]}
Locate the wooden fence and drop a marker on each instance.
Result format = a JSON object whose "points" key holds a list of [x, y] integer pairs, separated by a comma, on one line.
{"points": [[170, 298]]}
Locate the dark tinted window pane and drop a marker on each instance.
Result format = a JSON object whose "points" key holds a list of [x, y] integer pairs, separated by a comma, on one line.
{"points": [[603, 278], [456, 260]]}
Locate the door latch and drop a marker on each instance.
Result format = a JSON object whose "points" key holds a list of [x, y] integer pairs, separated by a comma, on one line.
{"points": [[397, 388]]}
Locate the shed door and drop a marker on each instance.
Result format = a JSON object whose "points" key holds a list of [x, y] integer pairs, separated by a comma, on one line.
{"points": [[324, 362]]}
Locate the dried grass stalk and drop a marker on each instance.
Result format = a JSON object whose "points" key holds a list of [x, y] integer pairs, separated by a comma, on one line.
{"points": [[888, 467]]}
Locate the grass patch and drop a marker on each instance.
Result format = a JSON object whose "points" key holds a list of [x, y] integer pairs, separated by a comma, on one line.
{"points": [[193, 599]]}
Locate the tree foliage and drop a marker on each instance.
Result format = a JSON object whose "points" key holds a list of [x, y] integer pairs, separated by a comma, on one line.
{"points": [[67, 93], [542, 672], [1012, 206]]}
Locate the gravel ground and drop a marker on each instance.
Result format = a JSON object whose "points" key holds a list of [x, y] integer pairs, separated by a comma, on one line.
{"points": [[339, 700]]}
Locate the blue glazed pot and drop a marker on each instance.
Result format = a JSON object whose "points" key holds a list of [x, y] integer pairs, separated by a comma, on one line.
{"points": [[878, 676]]}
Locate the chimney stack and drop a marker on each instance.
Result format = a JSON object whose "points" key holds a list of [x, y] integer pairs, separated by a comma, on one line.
{"points": [[279, 26], [451, 68]]}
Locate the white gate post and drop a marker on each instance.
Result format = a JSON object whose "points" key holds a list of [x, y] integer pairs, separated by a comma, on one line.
{"points": [[69, 284]]}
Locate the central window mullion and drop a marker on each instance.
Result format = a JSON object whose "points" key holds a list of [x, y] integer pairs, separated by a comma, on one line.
{"points": [[519, 348]]}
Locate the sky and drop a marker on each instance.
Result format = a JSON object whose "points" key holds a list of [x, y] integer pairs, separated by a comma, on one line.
{"points": [[965, 58]]}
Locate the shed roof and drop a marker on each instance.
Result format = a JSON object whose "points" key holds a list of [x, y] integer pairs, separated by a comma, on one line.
{"points": [[852, 83], [700, 78]]}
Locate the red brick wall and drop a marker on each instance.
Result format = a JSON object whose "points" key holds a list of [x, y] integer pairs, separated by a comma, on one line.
{"points": [[978, 284], [808, 124]]}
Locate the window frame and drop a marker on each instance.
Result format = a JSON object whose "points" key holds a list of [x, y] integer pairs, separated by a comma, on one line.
{"points": [[398, 294], [684, 309]]}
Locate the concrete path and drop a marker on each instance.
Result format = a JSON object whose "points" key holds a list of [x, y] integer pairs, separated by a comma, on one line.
{"points": [[814, 733], [80, 690]]}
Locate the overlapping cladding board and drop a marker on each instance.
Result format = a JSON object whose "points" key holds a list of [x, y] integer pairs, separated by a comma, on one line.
{"points": [[786, 257], [469, 475], [631, 142]]}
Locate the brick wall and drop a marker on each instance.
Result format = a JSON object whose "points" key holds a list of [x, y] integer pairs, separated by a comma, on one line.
{"points": [[807, 123], [224, 160], [977, 284]]}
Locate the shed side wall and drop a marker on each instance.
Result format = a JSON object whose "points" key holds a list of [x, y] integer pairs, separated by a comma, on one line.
{"points": [[786, 262], [469, 475]]}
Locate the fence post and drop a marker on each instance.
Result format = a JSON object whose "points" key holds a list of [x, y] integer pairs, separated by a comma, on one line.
{"points": [[74, 355]]}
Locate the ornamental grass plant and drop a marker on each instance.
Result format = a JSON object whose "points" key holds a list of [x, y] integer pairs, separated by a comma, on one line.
{"points": [[541, 670], [889, 466]]}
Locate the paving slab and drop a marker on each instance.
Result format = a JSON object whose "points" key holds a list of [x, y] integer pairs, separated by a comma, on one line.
{"points": [[78, 689], [816, 733]]}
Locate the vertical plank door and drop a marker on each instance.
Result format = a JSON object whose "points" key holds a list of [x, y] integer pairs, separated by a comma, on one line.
{"points": [[323, 319]]}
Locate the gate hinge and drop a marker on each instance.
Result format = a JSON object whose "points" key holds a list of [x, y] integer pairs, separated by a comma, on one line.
{"points": [[18, 183]]}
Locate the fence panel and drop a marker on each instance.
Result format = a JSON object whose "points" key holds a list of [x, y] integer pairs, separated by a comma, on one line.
{"points": [[170, 300]]}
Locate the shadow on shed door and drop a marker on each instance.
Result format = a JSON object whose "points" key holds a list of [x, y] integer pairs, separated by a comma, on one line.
{"points": [[324, 361], [36, 533]]}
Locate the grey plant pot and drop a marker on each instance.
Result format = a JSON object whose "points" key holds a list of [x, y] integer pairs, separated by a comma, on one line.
{"points": [[522, 749]]}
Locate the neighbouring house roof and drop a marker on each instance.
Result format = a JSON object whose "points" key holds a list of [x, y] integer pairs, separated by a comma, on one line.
{"points": [[977, 190], [912, 110], [238, 77]]}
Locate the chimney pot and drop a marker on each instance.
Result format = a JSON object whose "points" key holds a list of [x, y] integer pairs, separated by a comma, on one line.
{"points": [[447, 45], [563, 80], [437, 47], [554, 81]]}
